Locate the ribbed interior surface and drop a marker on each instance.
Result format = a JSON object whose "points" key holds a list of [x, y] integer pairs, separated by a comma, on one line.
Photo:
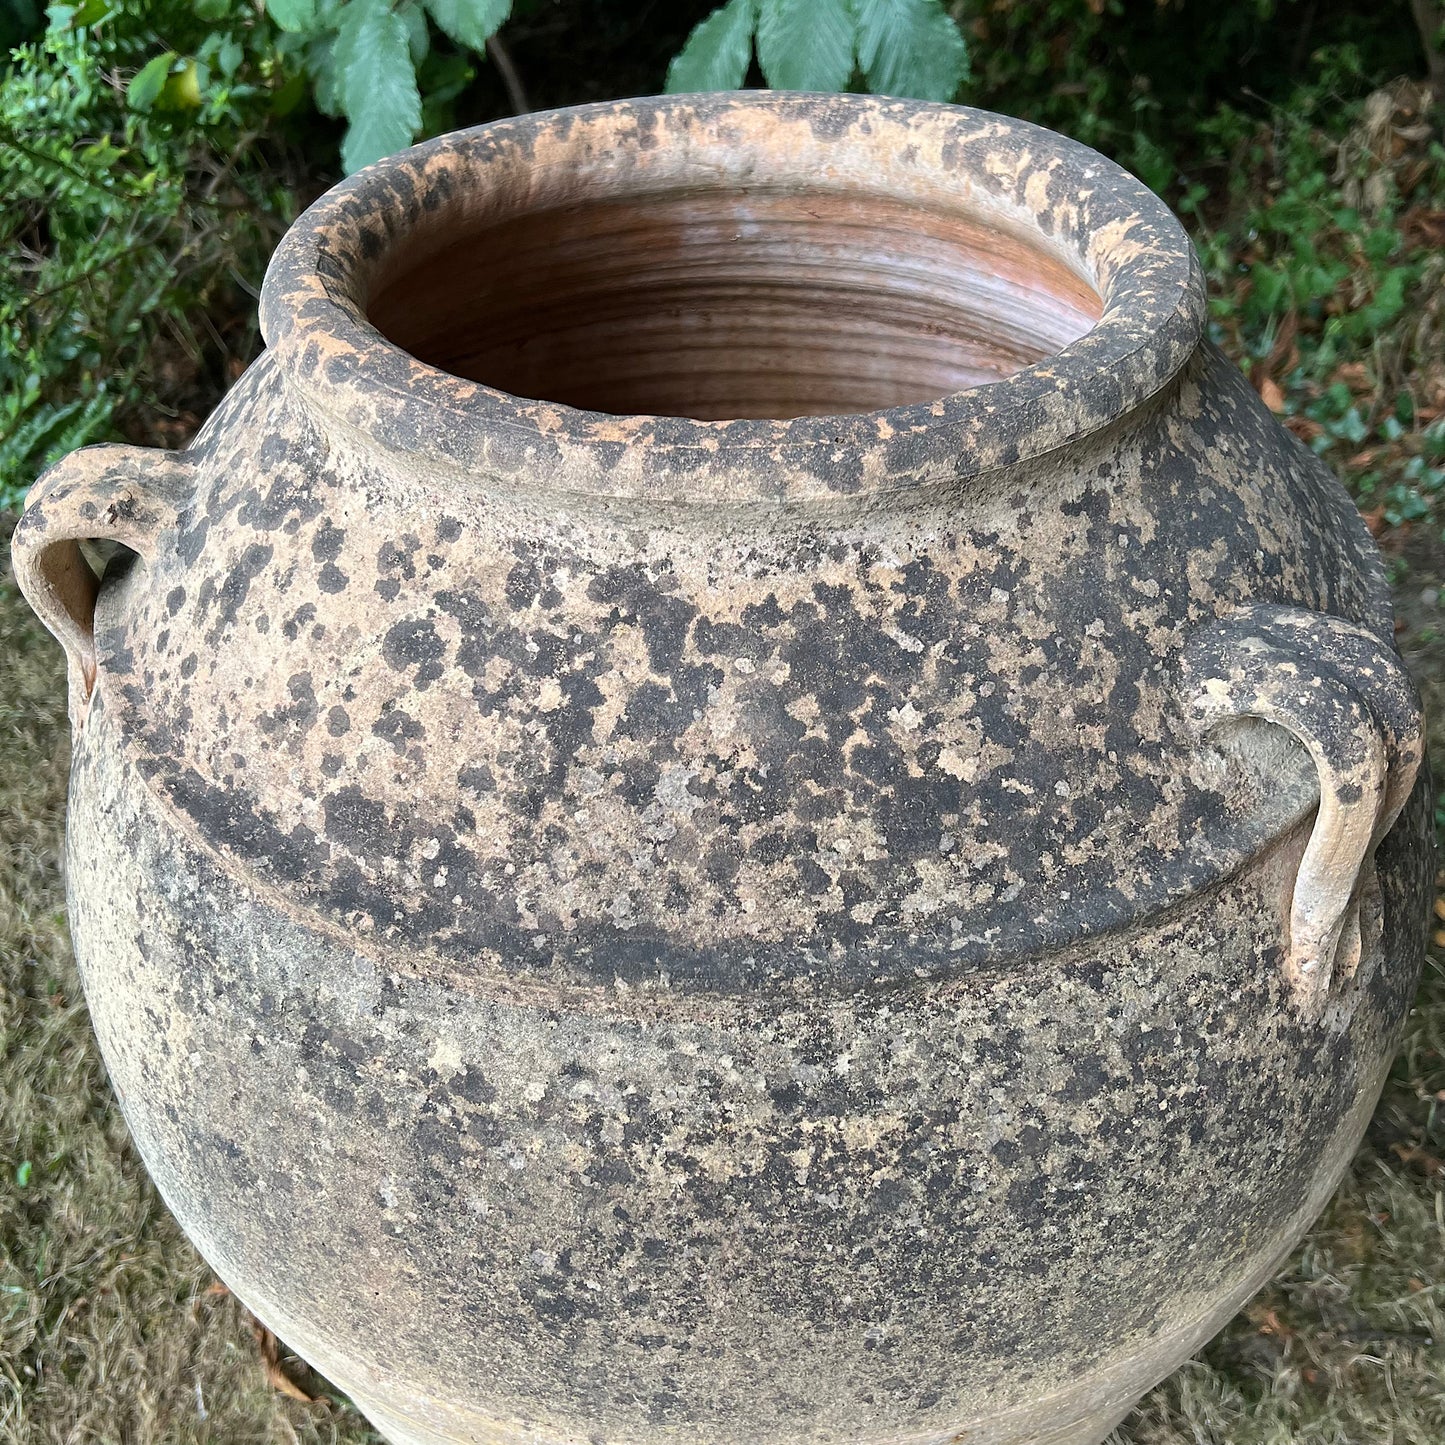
{"points": [[726, 304]]}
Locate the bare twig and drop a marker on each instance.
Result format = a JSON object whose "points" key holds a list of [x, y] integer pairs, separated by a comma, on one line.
{"points": [[501, 57], [271, 1362]]}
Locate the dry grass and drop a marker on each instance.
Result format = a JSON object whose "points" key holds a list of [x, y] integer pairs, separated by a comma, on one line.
{"points": [[111, 1328], [1347, 1345]]}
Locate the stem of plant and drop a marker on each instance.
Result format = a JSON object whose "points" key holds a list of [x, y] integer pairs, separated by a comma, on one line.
{"points": [[501, 57]]}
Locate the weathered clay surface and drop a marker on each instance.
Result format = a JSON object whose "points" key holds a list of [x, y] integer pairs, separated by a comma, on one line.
{"points": [[632, 927], [890, 1216], [1348, 699]]}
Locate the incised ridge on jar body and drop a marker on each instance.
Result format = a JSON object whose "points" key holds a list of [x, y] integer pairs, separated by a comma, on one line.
{"points": [[834, 877]]}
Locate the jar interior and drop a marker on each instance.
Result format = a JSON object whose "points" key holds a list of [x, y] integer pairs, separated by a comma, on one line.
{"points": [[734, 302]]}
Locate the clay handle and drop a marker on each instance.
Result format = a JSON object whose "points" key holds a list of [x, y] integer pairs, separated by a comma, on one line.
{"points": [[1345, 695], [121, 494]]}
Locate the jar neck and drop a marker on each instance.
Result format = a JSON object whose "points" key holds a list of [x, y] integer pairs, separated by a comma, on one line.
{"points": [[735, 298]]}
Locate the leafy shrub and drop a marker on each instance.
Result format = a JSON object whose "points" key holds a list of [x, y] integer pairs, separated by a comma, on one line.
{"points": [[131, 229], [1140, 81], [141, 147], [372, 61], [896, 47], [1324, 253], [375, 62], [151, 151]]}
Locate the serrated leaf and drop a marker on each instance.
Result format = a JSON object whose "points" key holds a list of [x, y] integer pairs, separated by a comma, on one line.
{"points": [[717, 52], [377, 83], [293, 15], [806, 44], [470, 22], [417, 35], [321, 65], [911, 48], [148, 82]]}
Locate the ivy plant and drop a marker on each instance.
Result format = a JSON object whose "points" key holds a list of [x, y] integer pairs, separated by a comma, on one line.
{"points": [[910, 48]]}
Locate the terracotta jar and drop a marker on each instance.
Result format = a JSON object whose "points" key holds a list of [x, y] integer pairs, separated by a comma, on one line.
{"points": [[741, 793]]}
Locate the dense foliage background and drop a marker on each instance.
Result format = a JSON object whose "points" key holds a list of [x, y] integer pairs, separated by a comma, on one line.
{"points": [[151, 153]]}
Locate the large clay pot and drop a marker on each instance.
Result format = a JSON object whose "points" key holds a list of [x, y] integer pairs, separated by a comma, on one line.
{"points": [[850, 871]]}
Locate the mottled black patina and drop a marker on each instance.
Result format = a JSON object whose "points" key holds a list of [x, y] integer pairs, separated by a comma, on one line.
{"points": [[637, 929]]}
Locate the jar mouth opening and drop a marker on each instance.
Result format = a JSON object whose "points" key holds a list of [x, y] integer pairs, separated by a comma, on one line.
{"points": [[716, 296], [743, 288]]}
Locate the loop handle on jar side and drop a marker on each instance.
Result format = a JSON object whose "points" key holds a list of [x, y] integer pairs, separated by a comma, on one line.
{"points": [[111, 493], [1346, 696]]}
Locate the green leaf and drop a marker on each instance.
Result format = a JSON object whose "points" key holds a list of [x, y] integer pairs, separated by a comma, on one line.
{"points": [[212, 9], [290, 94], [22, 1173], [183, 89], [293, 15], [229, 56], [717, 52], [92, 12], [417, 35], [443, 78], [377, 80], [912, 48], [148, 82], [321, 63], [470, 22], [806, 44]]}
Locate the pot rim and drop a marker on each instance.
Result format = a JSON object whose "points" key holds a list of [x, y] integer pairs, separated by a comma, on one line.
{"points": [[1054, 192]]}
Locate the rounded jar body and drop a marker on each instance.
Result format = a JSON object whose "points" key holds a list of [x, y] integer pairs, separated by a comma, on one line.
{"points": [[880, 921]]}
